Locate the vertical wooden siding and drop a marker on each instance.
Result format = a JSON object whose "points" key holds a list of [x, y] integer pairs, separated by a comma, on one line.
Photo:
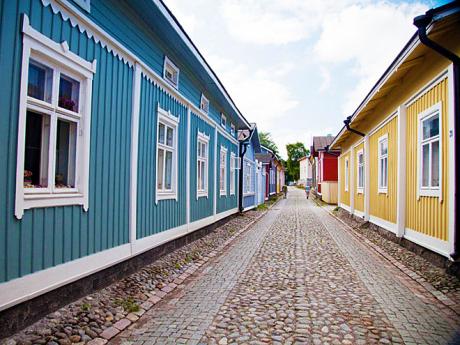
{"points": [[227, 202], [427, 214], [153, 218], [47, 237], [203, 207], [344, 195], [359, 197], [381, 205]]}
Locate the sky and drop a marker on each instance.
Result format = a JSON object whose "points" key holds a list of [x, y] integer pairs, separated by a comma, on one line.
{"points": [[298, 68]]}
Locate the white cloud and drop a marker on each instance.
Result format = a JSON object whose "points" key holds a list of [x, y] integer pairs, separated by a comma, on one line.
{"points": [[326, 75]]}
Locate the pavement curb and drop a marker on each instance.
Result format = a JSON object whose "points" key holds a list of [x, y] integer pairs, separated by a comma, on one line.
{"points": [[130, 320], [440, 296]]}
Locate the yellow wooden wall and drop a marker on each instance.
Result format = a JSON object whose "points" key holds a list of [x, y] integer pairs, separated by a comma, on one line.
{"points": [[344, 196], [384, 205], [359, 198], [427, 214]]}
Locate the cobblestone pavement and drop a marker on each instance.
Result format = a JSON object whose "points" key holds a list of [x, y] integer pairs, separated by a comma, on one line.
{"points": [[298, 277]]}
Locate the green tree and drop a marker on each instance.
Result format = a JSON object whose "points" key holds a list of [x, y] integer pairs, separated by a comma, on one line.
{"points": [[266, 140], [295, 152]]}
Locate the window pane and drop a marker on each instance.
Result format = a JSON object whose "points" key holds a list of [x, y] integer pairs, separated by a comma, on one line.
{"points": [[161, 133], [169, 136], [168, 170], [203, 175], [160, 168], [199, 175], [435, 164], [425, 165], [69, 93], [66, 148], [40, 81], [383, 147], [385, 169], [431, 127], [36, 150]]}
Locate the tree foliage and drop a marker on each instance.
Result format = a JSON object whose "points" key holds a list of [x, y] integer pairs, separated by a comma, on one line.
{"points": [[266, 140], [295, 152]]}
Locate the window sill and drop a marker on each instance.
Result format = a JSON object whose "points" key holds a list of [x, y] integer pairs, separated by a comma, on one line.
{"points": [[201, 195], [433, 193], [223, 193], [249, 194], [360, 191], [383, 191], [50, 200], [166, 196]]}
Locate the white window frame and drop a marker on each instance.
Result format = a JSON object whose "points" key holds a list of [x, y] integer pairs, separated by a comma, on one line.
{"points": [[167, 119], [429, 191], [360, 189], [58, 57], [204, 103], [168, 64], [223, 121], [347, 173], [85, 4], [232, 129], [234, 166], [381, 188], [248, 178], [223, 151], [202, 138]]}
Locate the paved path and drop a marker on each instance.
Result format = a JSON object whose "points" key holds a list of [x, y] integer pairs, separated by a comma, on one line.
{"points": [[297, 277]]}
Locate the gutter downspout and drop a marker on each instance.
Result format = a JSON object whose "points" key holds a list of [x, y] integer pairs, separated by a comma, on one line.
{"points": [[421, 22], [328, 151], [347, 125], [243, 148]]}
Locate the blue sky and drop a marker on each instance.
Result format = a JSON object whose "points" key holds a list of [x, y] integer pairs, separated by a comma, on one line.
{"points": [[298, 67]]}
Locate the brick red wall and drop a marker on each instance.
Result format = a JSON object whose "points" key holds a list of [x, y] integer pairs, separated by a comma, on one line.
{"points": [[329, 167]]}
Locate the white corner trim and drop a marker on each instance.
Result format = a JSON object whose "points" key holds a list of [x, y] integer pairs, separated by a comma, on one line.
{"points": [[367, 176], [434, 244], [188, 168], [385, 224], [452, 218], [401, 171], [216, 163]]}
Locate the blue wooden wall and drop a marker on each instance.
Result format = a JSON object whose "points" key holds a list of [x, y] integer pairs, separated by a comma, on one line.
{"points": [[51, 236], [228, 201]]}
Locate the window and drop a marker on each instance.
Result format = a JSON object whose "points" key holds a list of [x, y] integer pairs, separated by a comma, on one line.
{"points": [[360, 175], [204, 104], [166, 178], [429, 151], [54, 125], [232, 129], [202, 164], [223, 171], [346, 174], [248, 178], [171, 73], [223, 120], [85, 4], [235, 165], [383, 164]]}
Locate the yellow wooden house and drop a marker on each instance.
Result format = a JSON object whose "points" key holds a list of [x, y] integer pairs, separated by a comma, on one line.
{"points": [[397, 161]]}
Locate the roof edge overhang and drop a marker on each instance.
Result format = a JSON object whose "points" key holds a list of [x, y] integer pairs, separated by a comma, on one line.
{"points": [[193, 48]]}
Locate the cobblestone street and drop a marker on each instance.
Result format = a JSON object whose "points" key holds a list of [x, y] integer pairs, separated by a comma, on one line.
{"points": [[297, 277]]}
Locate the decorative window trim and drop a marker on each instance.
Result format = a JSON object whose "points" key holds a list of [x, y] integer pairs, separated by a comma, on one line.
{"points": [[204, 104], [360, 190], [166, 118], [232, 129], [84, 4], [430, 191], [234, 166], [347, 173], [202, 138], [169, 64], [382, 189], [59, 57], [223, 150], [223, 120], [248, 173]]}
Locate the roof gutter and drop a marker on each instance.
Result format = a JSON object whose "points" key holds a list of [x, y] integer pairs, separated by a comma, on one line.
{"points": [[347, 125], [422, 22]]}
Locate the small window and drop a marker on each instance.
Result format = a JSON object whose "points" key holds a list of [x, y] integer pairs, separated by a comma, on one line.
{"points": [[55, 111], [430, 152], [223, 120], [234, 166], [360, 175], [223, 171], [171, 73], [204, 104], [248, 178], [346, 174], [383, 164], [202, 164], [85, 4], [166, 185], [232, 129]]}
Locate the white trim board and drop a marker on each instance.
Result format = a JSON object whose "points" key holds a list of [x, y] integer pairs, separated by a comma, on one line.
{"points": [[32, 285], [433, 244], [345, 207], [359, 214], [392, 227]]}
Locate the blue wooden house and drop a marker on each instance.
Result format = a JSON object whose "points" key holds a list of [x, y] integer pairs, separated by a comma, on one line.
{"points": [[117, 137], [251, 175], [268, 159]]}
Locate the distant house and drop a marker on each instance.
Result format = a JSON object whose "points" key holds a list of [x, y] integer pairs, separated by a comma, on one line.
{"points": [[399, 158], [325, 175], [269, 162], [306, 173]]}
